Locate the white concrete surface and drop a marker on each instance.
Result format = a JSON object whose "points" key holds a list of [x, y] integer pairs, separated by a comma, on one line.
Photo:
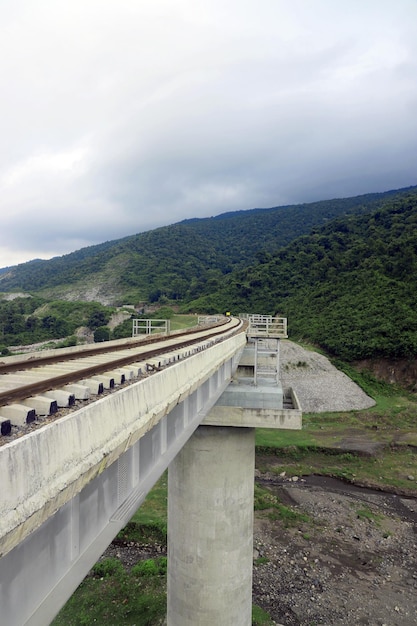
{"points": [[46, 468], [42, 404], [210, 529], [81, 392], [288, 419], [19, 414]]}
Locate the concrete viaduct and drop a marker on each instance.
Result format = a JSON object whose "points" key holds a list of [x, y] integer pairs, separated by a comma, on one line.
{"points": [[68, 488]]}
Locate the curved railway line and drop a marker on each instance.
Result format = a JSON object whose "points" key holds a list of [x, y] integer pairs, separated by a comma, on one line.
{"points": [[37, 388]]}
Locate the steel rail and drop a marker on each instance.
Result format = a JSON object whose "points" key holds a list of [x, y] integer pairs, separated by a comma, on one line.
{"points": [[54, 382], [35, 360]]}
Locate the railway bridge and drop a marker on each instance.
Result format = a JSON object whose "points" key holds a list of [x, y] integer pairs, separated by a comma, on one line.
{"points": [[71, 484]]}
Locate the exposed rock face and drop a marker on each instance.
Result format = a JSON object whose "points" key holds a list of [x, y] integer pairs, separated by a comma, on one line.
{"points": [[402, 372]]}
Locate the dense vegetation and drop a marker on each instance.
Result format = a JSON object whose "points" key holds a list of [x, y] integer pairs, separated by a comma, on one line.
{"points": [[27, 320], [349, 286], [185, 260], [342, 271]]}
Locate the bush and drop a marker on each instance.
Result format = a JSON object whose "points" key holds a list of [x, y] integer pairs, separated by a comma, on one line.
{"points": [[124, 329], [67, 343], [98, 318], [151, 567], [101, 334], [108, 567]]}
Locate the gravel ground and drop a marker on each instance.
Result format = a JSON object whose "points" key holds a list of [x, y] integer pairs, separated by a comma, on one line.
{"points": [[318, 384], [345, 568], [354, 564]]}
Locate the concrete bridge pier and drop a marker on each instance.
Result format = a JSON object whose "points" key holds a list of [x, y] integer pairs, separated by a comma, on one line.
{"points": [[210, 529]]}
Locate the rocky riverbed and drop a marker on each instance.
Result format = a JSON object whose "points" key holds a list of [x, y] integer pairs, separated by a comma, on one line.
{"points": [[353, 563]]}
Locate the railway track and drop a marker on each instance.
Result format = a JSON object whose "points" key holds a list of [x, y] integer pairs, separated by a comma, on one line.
{"points": [[36, 388]]}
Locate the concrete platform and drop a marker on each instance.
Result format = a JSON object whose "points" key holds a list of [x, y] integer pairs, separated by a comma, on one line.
{"points": [[243, 404], [242, 392]]}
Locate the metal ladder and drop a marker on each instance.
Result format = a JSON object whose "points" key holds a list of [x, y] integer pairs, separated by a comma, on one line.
{"points": [[266, 349]]}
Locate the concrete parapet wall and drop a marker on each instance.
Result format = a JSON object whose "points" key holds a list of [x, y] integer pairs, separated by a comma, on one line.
{"points": [[43, 470]]}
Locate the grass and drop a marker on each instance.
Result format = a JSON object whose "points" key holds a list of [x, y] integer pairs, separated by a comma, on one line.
{"points": [[366, 514], [149, 523], [269, 503], [260, 617], [389, 470], [328, 442], [111, 595], [178, 322]]}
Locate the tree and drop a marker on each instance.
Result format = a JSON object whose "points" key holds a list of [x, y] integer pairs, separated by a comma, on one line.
{"points": [[96, 319], [102, 333]]}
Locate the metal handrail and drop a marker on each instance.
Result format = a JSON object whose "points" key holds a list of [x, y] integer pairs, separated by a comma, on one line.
{"points": [[150, 326], [267, 326]]}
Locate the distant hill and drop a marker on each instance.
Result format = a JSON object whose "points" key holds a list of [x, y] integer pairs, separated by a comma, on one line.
{"points": [[183, 261]]}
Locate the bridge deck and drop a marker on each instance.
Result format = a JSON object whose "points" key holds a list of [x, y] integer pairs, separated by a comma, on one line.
{"points": [[72, 485]]}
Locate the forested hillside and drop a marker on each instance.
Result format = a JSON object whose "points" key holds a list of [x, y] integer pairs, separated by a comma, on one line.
{"points": [[349, 286], [28, 320], [182, 261]]}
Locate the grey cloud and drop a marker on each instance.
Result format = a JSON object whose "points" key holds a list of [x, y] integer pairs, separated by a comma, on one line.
{"points": [[152, 112]]}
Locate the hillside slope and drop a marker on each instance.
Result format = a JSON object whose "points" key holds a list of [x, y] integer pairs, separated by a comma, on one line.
{"points": [[349, 287], [181, 261]]}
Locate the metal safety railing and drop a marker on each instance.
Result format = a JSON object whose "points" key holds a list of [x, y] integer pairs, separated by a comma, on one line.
{"points": [[149, 327], [208, 319], [267, 326]]}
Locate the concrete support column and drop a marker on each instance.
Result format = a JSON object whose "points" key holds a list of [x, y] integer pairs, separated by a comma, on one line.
{"points": [[210, 529]]}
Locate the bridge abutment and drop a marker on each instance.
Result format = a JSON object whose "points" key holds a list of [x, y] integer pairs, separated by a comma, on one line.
{"points": [[210, 529]]}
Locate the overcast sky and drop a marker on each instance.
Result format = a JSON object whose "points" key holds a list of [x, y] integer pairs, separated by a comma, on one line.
{"points": [[118, 116]]}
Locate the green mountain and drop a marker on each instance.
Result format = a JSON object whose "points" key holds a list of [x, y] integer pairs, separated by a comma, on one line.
{"points": [[182, 261], [350, 286]]}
